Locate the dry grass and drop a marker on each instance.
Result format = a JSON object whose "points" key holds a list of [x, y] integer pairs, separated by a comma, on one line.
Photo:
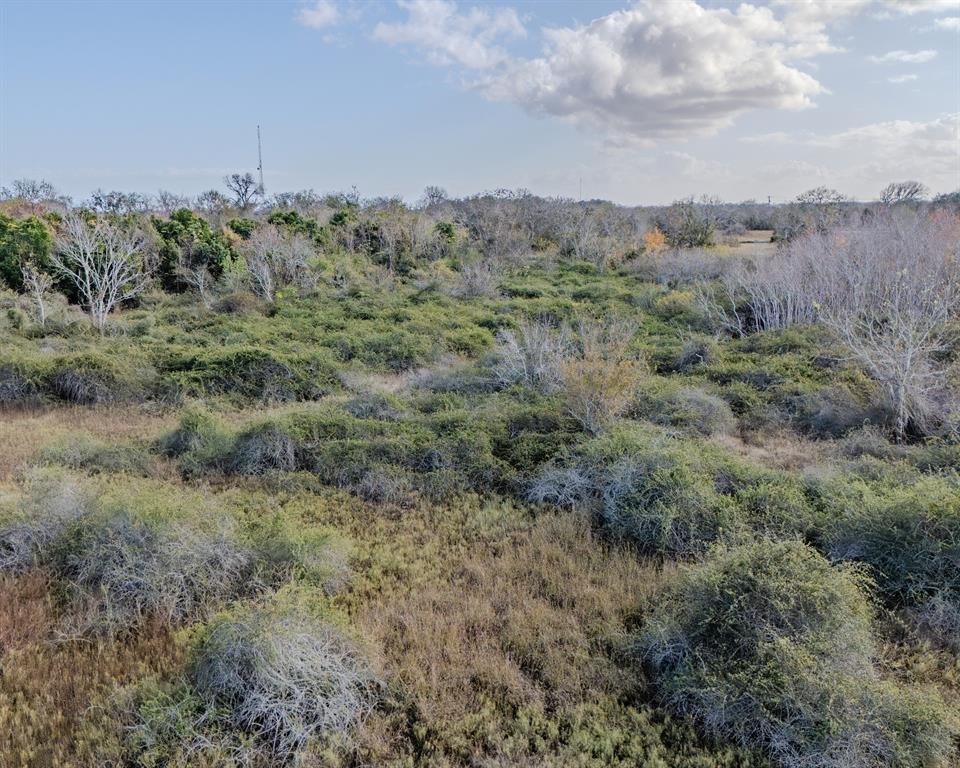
{"points": [[49, 690], [24, 433], [781, 450], [531, 627]]}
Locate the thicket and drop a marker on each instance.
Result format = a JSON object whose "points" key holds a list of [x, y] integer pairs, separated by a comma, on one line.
{"points": [[770, 645], [125, 558]]}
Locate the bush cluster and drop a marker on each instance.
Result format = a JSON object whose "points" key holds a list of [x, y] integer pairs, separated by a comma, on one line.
{"points": [[124, 560], [769, 645]]}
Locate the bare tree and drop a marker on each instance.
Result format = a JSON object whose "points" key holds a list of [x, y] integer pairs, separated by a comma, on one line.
{"points": [[104, 260], [199, 278], [887, 288], [38, 285], [903, 192], [821, 208], [167, 202], [243, 187], [275, 259], [32, 191], [118, 203]]}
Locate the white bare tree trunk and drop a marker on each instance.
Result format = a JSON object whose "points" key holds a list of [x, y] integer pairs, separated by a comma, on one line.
{"points": [[104, 260]]}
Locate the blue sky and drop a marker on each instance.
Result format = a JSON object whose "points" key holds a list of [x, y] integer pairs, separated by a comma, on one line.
{"points": [[645, 102]]}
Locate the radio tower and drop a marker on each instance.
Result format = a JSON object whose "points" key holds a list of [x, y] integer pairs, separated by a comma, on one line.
{"points": [[260, 160]]}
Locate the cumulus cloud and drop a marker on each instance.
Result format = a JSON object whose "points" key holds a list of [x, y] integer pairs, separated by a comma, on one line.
{"points": [[445, 35], [948, 22], [808, 23], [657, 70], [660, 70], [904, 57], [318, 14], [899, 79]]}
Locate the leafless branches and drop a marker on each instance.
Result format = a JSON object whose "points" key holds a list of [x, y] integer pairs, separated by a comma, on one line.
{"points": [[38, 285], [887, 288], [105, 262], [275, 259]]}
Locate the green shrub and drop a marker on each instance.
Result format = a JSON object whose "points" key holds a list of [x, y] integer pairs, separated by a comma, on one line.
{"points": [[669, 497], [95, 379], [15, 387], [769, 645], [690, 410], [833, 412], [132, 553], [254, 373], [199, 432], [908, 533]]}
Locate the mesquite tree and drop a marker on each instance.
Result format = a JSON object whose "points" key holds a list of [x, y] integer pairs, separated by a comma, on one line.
{"points": [[104, 260]]}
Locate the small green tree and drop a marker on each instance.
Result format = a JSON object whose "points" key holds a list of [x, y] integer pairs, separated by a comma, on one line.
{"points": [[22, 241], [189, 243]]}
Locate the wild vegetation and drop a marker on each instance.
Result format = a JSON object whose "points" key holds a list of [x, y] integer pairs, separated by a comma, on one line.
{"points": [[503, 480]]}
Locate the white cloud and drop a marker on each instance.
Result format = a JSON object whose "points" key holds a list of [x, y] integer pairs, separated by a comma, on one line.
{"points": [[910, 7], [807, 22], [319, 14], [904, 57], [948, 22], [445, 35], [938, 138], [660, 70], [899, 79]]}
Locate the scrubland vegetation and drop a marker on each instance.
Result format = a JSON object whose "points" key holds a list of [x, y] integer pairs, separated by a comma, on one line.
{"points": [[321, 481]]}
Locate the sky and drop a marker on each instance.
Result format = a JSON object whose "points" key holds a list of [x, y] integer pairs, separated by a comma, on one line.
{"points": [[641, 103]]}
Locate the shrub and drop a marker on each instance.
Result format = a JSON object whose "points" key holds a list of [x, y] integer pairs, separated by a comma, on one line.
{"points": [[282, 676], [93, 379], [263, 449], [121, 570], [124, 558], [532, 355], [255, 373], [643, 489], [198, 432], [832, 412], [690, 410], [672, 498], [15, 388], [695, 352], [374, 405], [687, 224], [769, 645], [601, 380], [908, 533], [53, 506]]}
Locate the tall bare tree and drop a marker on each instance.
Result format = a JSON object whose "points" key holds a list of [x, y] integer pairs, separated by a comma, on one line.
{"points": [[104, 260], [243, 187], [888, 288]]}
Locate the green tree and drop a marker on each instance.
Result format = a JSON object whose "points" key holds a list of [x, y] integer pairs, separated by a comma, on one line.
{"points": [[22, 240], [188, 242]]}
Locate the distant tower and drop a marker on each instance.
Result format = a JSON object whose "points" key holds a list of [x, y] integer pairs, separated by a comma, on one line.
{"points": [[260, 160]]}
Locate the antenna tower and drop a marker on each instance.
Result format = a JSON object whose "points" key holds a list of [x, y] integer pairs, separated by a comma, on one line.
{"points": [[260, 160]]}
